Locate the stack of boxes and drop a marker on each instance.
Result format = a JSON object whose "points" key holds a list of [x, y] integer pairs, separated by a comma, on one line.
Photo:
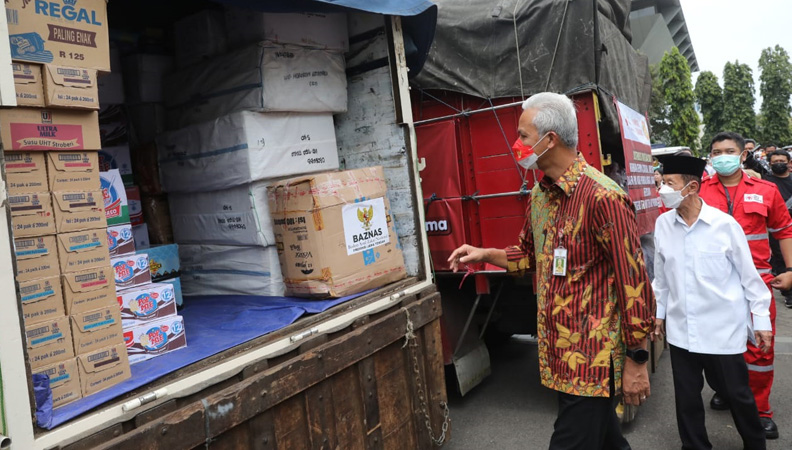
{"points": [[66, 283], [240, 118]]}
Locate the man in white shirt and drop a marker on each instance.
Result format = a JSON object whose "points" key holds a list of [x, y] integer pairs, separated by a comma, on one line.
{"points": [[710, 299]]}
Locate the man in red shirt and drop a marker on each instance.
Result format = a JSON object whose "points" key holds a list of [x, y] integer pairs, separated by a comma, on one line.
{"points": [[759, 209]]}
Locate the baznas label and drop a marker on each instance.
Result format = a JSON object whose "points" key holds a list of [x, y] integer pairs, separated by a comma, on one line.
{"points": [[365, 225]]}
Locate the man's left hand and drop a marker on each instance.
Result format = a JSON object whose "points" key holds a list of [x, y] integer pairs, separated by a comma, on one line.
{"points": [[635, 382], [764, 340], [782, 282]]}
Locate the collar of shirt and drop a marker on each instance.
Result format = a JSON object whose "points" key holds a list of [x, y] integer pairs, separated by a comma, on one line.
{"points": [[745, 179], [569, 180], [706, 215]]}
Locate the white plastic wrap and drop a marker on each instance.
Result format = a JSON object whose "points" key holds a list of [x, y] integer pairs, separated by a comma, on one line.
{"points": [[259, 78], [244, 147], [236, 216], [318, 30], [230, 270]]}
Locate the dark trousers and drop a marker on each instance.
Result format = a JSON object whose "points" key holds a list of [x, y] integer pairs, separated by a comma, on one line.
{"points": [[588, 423], [728, 375]]}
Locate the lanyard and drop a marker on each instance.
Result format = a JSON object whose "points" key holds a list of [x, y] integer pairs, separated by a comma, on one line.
{"points": [[728, 199]]}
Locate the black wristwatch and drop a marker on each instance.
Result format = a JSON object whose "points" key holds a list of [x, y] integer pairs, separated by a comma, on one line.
{"points": [[640, 355], [789, 269]]}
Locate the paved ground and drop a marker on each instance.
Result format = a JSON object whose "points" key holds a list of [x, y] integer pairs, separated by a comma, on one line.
{"points": [[511, 410]]}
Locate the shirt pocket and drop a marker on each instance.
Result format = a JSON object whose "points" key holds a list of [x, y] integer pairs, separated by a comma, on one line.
{"points": [[755, 208], [712, 266]]}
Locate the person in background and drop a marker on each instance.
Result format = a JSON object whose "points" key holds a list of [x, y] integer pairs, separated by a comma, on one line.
{"points": [[754, 159], [769, 148], [707, 290], [595, 305], [759, 209], [750, 145], [658, 176], [779, 164], [752, 173]]}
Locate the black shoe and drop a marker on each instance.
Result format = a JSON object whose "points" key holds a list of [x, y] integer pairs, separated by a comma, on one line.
{"points": [[770, 428], [719, 403], [788, 302]]}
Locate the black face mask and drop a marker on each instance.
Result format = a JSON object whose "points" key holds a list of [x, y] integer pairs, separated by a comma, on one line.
{"points": [[779, 168]]}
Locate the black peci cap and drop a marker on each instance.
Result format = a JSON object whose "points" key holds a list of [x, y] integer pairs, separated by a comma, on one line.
{"points": [[683, 165]]}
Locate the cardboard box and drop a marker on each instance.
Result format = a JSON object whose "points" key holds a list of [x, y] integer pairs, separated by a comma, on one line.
{"points": [[49, 129], [231, 270], [131, 270], [97, 328], [199, 36], [82, 250], [42, 299], [156, 211], [141, 236], [64, 381], [154, 339], [330, 242], [61, 32], [28, 84], [49, 342], [111, 88], [268, 145], [146, 304], [36, 257], [177, 289], [118, 158], [120, 240], [32, 214], [326, 31], [70, 87], [103, 368], [135, 205], [26, 172], [163, 261], [236, 216], [77, 211], [145, 75], [257, 78], [115, 200], [88, 289], [73, 171]]}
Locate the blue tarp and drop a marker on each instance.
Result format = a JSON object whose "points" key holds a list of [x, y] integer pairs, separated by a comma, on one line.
{"points": [[212, 324]]}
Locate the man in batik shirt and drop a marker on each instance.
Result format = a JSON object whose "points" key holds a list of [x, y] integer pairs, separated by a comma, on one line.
{"points": [[595, 302]]}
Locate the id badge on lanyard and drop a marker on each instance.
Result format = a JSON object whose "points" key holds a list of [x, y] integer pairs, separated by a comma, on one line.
{"points": [[560, 257]]}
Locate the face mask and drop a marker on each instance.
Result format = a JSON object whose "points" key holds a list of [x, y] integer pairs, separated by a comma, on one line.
{"points": [[525, 154], [726, 164], [671, 198], [779, 168]]}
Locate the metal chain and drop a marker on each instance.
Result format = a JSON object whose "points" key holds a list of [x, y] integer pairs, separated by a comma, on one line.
{"points": [[409, 340]]}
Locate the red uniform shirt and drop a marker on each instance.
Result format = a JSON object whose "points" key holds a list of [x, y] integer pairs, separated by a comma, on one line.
{"points": [[758, 207]]}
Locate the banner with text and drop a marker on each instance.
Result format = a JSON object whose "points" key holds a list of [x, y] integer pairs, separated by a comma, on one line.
{"points": [[638, 167]]}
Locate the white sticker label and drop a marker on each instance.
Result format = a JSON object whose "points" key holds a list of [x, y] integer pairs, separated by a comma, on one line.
{"points": [[365, 225], [755, 198]]}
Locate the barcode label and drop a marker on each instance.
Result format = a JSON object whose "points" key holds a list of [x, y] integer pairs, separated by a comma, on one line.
{"points": [[12, 16]]}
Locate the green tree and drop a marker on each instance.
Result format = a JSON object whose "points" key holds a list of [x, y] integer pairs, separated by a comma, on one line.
{"points": [[776, 88], [738, 99], [658, 110], [678, 93], [710, 97]]}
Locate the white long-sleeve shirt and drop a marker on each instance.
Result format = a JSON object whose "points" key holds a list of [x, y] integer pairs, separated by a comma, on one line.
{"points": [[707, 288]]}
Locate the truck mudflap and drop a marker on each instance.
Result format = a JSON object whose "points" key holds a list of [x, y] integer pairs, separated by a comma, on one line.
{"points": [[378, 383]]}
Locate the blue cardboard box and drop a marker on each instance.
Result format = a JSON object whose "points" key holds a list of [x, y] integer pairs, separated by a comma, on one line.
{"points": [[177, 290], [164, 262]]}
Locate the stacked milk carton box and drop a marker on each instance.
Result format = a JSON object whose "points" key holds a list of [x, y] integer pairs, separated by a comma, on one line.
{"points": [[147, 310], [242, 115], [72, 323]]}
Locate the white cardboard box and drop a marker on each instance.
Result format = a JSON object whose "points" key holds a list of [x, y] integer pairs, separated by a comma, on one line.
{"points": [[141, 235], [236, 216], [154, 339], [326, 31], [230, 270], [244, 147], [199, 36], [259, 78], [143, 75]]}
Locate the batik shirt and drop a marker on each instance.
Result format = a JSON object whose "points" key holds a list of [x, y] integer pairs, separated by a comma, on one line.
{"points": [[604, 303]]}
